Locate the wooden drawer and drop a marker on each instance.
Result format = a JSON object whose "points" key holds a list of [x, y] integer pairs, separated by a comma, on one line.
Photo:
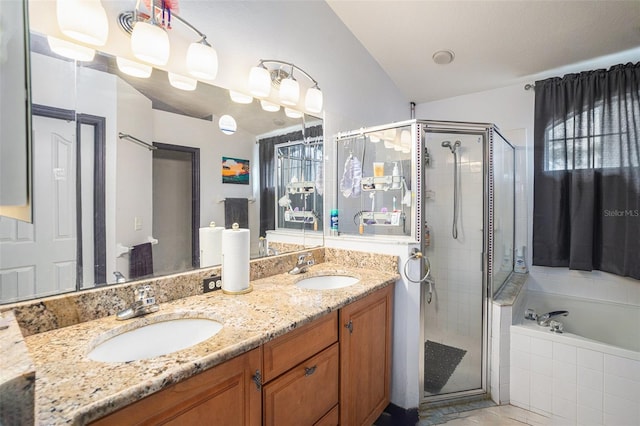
{"points": [[305, 394], [332, 418], [222, 395], [294, 347]]}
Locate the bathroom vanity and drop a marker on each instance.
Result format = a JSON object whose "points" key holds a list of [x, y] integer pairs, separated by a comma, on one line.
{"points": [[284, 355]]}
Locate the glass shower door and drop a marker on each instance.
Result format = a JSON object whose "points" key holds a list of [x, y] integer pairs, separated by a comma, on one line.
{"points": [[453, 305]]}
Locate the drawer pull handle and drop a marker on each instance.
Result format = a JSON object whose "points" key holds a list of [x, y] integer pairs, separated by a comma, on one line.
{"points": [[310, 370]]}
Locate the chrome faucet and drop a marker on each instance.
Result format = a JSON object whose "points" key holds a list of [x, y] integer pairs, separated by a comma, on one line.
{"points": [[304, 261], [545, 319], [144, 303], [119, 277]]}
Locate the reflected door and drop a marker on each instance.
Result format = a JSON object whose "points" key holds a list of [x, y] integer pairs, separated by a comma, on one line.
{"points": [[453, 319], [39, 259]]}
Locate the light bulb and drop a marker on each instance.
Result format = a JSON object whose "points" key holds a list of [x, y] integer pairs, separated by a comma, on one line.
{"points": [[227, 125], [313, 99], [70, 50], [202, 61], [260, 81], [150, 43], [240, 98], [182, 82], [289, 91], [83, 20], [269, 106], [133, 68]]}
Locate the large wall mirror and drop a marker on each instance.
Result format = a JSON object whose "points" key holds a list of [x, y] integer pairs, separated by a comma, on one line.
{"points": [[123, 162]]}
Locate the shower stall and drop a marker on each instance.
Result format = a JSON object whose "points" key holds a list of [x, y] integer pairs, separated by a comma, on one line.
{"points": [[460, 178]]}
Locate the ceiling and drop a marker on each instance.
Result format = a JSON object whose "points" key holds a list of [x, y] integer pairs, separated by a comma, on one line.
{"points": [[496, 43]]}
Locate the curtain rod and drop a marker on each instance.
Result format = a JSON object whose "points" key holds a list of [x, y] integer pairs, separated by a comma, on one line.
{"points": [[136, 140]]}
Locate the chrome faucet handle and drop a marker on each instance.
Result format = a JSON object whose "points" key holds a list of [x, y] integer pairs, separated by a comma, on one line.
{"points": [[556, 326], [144, 295]]}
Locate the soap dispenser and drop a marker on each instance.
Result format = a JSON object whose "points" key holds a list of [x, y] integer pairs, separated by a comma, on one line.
{"points": [[396, 181]]}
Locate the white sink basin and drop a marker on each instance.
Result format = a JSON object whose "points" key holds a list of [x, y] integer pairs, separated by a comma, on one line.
{"points": [[155, 339], [327, 282]]}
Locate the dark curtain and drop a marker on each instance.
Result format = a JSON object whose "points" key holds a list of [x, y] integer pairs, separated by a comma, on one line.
{"points": [[587, 171], [267, 174]]}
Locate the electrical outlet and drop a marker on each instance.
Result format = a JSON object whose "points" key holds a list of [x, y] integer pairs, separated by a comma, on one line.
{"points": [[212, 283]]}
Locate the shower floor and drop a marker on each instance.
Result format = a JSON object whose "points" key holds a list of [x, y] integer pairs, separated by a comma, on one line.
{"points": [[468, 373]]}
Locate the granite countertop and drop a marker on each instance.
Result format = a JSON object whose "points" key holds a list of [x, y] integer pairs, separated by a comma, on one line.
{"points": [[72, 389]]}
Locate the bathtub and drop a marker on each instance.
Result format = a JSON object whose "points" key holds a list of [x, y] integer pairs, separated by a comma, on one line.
{"points": [[588, 375]]}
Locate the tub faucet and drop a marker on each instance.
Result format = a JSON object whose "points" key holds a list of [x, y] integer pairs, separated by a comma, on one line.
{"points": [[545, 319], [303, 264], [144, 303]]}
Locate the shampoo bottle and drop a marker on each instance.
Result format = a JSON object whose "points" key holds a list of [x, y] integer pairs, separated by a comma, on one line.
{"points": [[521, 265], [395, 177]]}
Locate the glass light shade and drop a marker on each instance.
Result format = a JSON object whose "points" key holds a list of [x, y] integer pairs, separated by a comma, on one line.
{"points": [[133, 68], [388, 144], [313, 100], [202, 61], [289, 91], [83, 20], [389, 135], [70, 50], [182, 82], [150, 43], [227, 124], [269, 106], [240, 98], [259, 82], [292, 113], [374, 137]]}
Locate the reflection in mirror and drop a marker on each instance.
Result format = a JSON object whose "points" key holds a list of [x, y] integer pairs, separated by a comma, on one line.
{"points": [[299, 187], [126, 172]]}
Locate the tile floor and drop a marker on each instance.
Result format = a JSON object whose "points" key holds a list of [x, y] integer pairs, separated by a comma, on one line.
{"points": [[503, 415]]}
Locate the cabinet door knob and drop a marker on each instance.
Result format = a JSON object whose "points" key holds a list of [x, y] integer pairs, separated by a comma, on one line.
{"points": [[310, 370], [257, 379], [349, 326]]}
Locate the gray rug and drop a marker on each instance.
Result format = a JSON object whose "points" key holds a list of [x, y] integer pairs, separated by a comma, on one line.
{"points": [[440, 361]]}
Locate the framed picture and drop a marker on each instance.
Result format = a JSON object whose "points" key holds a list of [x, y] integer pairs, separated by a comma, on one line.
{"points": [[235, 170]]}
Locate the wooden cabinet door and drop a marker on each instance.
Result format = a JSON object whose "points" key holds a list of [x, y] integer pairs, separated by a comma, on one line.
{"points": [[222, 395], [365, 358], [304, 394]]}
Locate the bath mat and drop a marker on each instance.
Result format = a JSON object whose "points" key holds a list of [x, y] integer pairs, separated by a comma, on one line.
{"points": [[440, 361]]}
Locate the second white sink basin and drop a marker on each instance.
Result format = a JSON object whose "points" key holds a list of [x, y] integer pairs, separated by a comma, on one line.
{"points": [[152, 340], [327, 282]]}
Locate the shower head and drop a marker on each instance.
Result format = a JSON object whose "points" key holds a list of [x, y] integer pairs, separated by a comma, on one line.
{"points": [[447, 144]]}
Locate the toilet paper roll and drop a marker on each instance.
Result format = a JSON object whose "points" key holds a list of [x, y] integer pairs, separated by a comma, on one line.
{"points": [[210, 246], [235, 261]]}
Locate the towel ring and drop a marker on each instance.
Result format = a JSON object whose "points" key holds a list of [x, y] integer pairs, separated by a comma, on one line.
{"points": [[416, 254]]}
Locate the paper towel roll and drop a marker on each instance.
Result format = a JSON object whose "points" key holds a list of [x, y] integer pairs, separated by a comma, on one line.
{"points": [[235, 261], [211, 246]]}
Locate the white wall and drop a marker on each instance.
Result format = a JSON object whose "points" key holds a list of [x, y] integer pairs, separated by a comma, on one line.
{"points": [[512, 110], [134, 177]]}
